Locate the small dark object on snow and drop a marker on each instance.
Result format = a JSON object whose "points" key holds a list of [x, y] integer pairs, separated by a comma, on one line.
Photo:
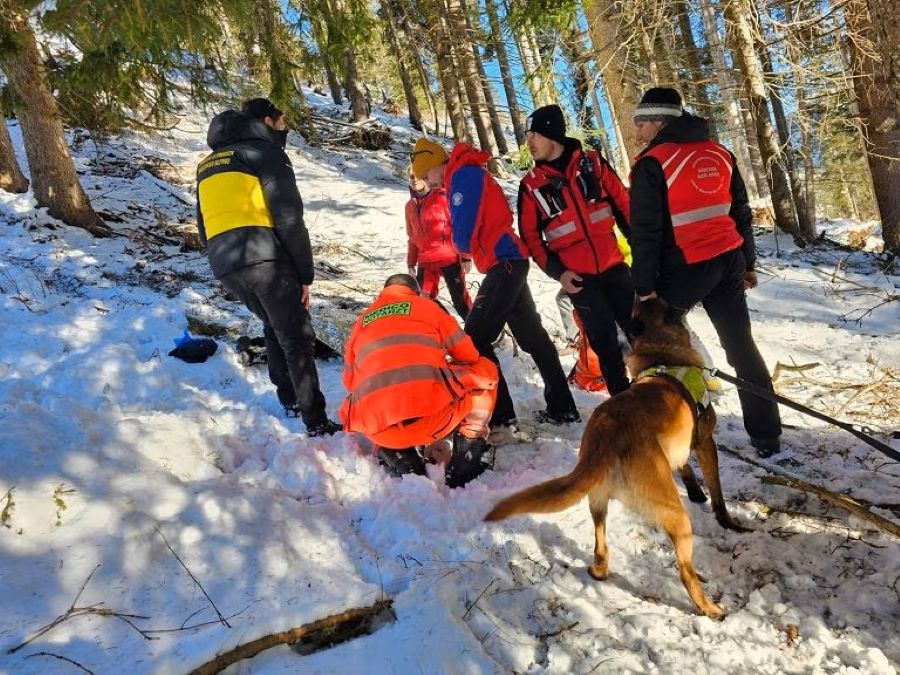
{"points": [[193, 350], [252, 351], [401, 462], [471, 458]]}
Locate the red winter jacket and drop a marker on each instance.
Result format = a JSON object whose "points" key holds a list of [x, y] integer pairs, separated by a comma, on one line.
{"points": [[567, 211], [480, 216], [428, 230]]}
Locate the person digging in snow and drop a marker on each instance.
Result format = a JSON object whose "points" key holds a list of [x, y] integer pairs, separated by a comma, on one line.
{"points": [[413, 377]]}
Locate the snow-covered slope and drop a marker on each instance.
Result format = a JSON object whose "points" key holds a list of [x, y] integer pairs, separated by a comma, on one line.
{"points": [[109, 449]]}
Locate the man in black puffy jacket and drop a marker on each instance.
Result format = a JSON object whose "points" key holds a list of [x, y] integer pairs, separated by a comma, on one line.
{"points": [[250, 218]]}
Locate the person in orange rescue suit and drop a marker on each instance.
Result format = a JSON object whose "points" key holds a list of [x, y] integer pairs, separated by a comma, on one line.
{"points": [[430, 253], [481, 223], [692, 240], [250, 220], [414, 377], [569, 205]]}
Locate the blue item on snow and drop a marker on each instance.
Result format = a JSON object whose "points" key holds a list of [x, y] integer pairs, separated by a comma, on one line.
{"points": [[193, 350]]}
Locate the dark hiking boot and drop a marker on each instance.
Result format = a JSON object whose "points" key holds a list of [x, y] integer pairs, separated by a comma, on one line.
{"points": [[324, 428], [401, 462], [556, 418], [766, 447], [502, 421], [471, 457]]}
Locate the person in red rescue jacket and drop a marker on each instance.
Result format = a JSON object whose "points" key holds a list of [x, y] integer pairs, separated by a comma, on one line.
{"points": [[481, 223], [414, 377], [569, 204], [692, 240], [430, 253]]}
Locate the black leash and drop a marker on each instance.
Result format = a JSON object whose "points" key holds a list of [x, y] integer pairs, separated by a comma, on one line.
{"points": [[772, 396]]}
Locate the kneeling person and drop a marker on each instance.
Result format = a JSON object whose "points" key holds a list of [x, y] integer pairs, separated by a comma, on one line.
{"points": [[414, 377]]}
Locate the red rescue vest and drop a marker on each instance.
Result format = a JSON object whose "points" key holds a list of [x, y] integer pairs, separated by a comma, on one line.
{"points": [[698, 179], [575, 215]]}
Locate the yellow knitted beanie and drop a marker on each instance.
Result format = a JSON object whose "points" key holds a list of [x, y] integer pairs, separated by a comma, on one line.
{"points": [[426, 155]]}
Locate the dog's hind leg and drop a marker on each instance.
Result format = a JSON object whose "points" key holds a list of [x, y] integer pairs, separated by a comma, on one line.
{"points": [[598, 499], [708, 458], [668, 512], [692, 485]]}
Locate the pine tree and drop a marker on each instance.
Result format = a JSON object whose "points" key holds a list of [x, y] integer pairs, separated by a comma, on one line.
{"points": [[54, 180], [11, 177]]}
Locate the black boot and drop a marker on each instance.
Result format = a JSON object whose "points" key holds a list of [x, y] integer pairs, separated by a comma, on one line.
{"points": [[401, 462], [471, 457]]}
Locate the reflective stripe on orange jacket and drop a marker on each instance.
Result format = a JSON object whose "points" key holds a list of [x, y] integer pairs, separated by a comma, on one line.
{"points": [[698, 182], [398, 362]]}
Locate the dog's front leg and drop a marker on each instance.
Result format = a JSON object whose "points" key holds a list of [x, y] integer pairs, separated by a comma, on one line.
{"points": [[692, 485], [708, 458]]}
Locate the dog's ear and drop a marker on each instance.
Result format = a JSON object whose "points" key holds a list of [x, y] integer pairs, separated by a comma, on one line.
{"points": [[673, 315], [637, 326]]}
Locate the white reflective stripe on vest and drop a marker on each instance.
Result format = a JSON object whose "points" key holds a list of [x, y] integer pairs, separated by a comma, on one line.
{"points": [[561, 231], [605, 212], [697, 215]]}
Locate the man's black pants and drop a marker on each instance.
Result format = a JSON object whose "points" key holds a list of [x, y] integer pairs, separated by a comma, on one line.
{"points": [[272, 291], [456, 287], [719, 285], [605, 300], [504, 298]]}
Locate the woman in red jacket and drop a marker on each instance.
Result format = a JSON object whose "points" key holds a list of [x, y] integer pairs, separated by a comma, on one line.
{"points": [[430, 254]]}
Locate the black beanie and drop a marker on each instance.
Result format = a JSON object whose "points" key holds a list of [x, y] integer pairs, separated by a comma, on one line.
{"points": [[658, 104], [259, 108], [549, 122]]}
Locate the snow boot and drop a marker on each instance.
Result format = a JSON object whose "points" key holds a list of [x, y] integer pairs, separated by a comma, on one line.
{"points": [[471, 457], [556, 418], [324, 428], [401, 462], [766, 447]]}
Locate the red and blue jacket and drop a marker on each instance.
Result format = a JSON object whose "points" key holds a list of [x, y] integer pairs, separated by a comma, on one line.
{"points": [[480, 217]]}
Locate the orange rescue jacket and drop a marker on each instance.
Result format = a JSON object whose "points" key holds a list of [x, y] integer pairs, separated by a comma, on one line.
{"points": [[698, 180], [403, 360]]}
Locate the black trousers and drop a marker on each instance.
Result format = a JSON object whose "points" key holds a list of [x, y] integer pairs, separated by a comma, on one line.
{"points": [[456, 286], [271, 290], [504, 298], [719, 285], [606, 300]]}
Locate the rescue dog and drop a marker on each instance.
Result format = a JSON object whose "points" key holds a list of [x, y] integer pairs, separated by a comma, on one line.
{"points": [[630, 447]]}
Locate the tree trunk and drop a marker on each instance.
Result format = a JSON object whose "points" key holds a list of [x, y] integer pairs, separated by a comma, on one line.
{"points": [[877, 87], [509, 88], [54, 179], [334, 86], [601, 131], [807, 138], [610, 49], [733, 117], [412, 105], [469, 74], [695, 66], [740, 35], [359, 106], [447, 72], [788, 151], [573, 49], [487, 89], [11, 177]]}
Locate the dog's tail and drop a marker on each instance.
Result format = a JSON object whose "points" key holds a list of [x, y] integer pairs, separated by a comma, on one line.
{"points": [[553, 495]]}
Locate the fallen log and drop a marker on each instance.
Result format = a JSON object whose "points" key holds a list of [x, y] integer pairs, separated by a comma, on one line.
{"points": [[309, 637]]}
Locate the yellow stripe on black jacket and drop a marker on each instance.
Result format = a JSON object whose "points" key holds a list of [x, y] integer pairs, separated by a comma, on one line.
{"points": [[248, 207]]}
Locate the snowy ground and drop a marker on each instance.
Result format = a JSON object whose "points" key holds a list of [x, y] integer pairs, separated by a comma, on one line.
{"points": [[108, 446]]}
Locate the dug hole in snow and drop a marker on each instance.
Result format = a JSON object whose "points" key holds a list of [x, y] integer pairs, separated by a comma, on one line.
{"points": [[107, 445]]}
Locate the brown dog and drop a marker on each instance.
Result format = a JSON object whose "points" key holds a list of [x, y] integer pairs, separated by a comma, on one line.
{"points": [[630, 447]]}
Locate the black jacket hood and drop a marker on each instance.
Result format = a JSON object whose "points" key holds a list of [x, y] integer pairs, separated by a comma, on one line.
{"points": [[685, 129], [233, 126]]}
